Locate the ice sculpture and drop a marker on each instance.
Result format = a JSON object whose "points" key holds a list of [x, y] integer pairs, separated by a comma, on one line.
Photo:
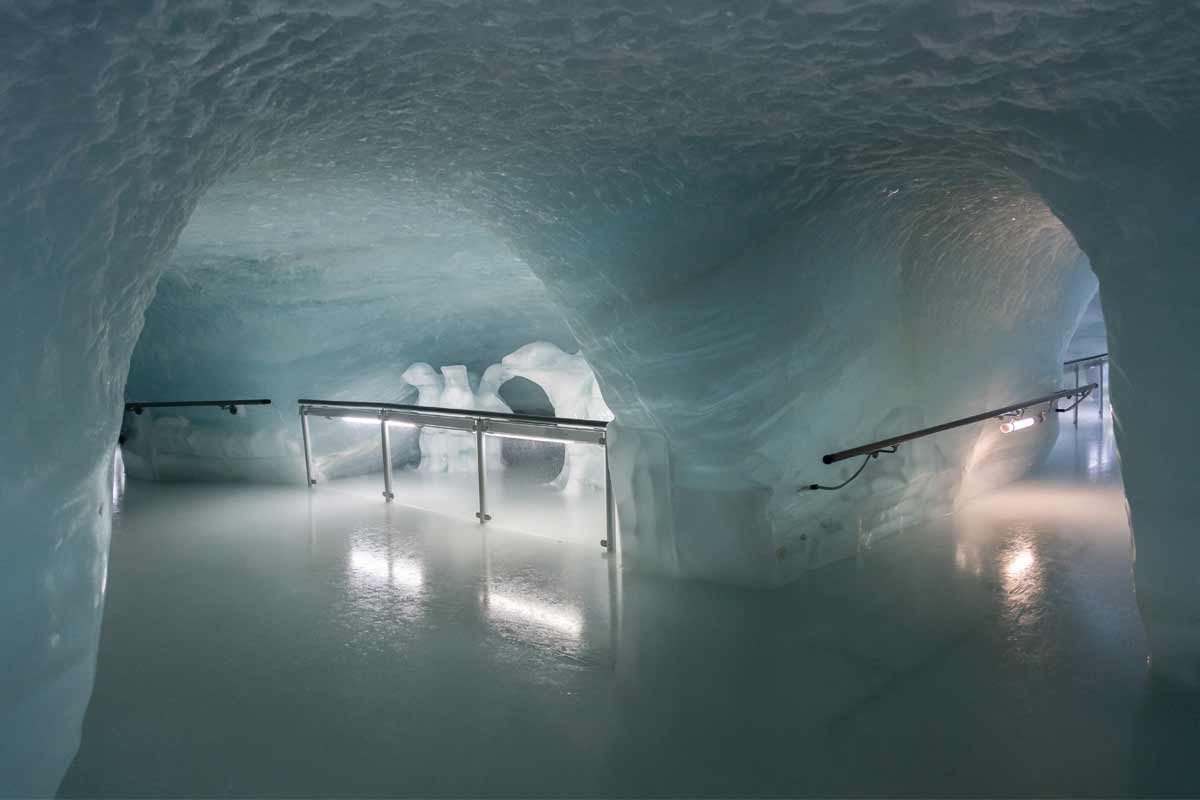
{"points": [[459, 446], [757, 270], [434, 456], [488, 399], [571, 386]]}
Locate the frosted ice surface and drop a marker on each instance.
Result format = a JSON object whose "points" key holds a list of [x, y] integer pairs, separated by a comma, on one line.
{"points": [[772, 230], [1090, 337]]}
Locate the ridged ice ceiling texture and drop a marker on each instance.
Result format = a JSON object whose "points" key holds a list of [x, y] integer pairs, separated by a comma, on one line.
{"points": [[772, 228]]}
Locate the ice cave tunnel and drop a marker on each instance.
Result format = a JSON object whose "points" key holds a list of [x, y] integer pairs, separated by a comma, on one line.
{"points": [[726, 240]]}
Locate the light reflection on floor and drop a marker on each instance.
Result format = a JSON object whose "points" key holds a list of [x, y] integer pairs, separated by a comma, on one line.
{"points": [[262, 642]]}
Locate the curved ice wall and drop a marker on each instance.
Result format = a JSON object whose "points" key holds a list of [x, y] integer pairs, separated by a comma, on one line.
{"points": [[305, 281], [771, 228]]}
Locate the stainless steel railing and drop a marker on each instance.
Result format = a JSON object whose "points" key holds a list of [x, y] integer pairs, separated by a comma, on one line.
{"points": [[481, 423], [1098, 360]]}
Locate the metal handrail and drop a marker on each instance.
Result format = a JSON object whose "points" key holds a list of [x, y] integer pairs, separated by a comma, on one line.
{"points": [[593, 424], [1086, 360], [481, 423], [884, 444], [229, 405], [1100, 359]]}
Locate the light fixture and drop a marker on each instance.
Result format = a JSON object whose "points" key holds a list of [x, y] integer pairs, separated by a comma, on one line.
{"points": [[526, 436], [1013, 425], [375, 421]]}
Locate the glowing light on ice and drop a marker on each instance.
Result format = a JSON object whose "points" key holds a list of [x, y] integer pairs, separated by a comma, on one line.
{"points": [[403, 571], [1020, 563], [118, 481], [520, 609]]}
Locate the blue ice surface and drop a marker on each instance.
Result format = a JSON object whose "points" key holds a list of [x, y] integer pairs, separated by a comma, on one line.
{"points": [[772, 230]]}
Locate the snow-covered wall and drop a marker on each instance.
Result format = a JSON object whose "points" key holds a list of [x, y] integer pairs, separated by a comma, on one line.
{"points": [[773, 229]]}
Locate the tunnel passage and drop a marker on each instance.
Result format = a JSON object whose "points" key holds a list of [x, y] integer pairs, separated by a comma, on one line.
{"points": [[717, 199], [541, 461], [329, 287]]}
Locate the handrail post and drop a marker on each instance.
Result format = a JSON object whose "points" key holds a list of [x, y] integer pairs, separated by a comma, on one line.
{"points": [[610, 541], [307, 445], [385, 444], [1076, 411], [481, 464], [1101, 382]]}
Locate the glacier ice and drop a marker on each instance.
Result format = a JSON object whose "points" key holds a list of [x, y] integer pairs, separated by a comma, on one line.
{"points": [[434, 451], [574, 393], [488, 399], [1091, 335], [456, 393], [772, 230]]}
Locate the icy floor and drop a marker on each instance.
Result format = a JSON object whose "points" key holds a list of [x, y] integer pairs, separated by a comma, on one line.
{"points": [[255, 643]]}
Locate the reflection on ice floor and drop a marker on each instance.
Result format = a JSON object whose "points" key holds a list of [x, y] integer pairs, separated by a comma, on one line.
{"points": [[514, 504], [258, 644]]}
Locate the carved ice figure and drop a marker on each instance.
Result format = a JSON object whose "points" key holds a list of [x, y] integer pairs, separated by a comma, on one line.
{"points": [[488, 399], [571, 385], [429, 393], [459, 446]]}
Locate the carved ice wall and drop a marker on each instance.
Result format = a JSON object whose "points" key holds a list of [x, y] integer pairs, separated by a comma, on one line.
{"points": [[771, 230]]}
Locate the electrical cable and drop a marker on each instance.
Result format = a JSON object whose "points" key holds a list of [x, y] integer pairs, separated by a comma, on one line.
{"points": [[816, 486]]}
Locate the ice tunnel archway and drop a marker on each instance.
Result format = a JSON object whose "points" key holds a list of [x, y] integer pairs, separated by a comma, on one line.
{"points": [[539, 460], [695, 225], [271, 292]]}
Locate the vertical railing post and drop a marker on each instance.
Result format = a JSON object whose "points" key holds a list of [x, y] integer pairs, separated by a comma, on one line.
{"points": [[385, 443], [481, 459], [610, 520], [1101, 390], [307, 445], [1076, 412], [615, 609]]}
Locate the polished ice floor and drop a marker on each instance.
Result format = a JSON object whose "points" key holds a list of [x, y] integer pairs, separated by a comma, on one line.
{"points": [[259, 643]]}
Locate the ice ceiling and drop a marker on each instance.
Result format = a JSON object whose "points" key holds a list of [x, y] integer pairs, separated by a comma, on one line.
{"points": [[772, 228]]}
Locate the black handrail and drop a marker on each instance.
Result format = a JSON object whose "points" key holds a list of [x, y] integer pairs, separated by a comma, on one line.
{"points": [[460, 412], [884, 444], [229, 405], [1085, 359]]}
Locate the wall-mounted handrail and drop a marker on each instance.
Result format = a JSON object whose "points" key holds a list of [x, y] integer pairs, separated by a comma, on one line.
{"points": [[481, 423], [229, 405], [885, 444], [1086, 360]]}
